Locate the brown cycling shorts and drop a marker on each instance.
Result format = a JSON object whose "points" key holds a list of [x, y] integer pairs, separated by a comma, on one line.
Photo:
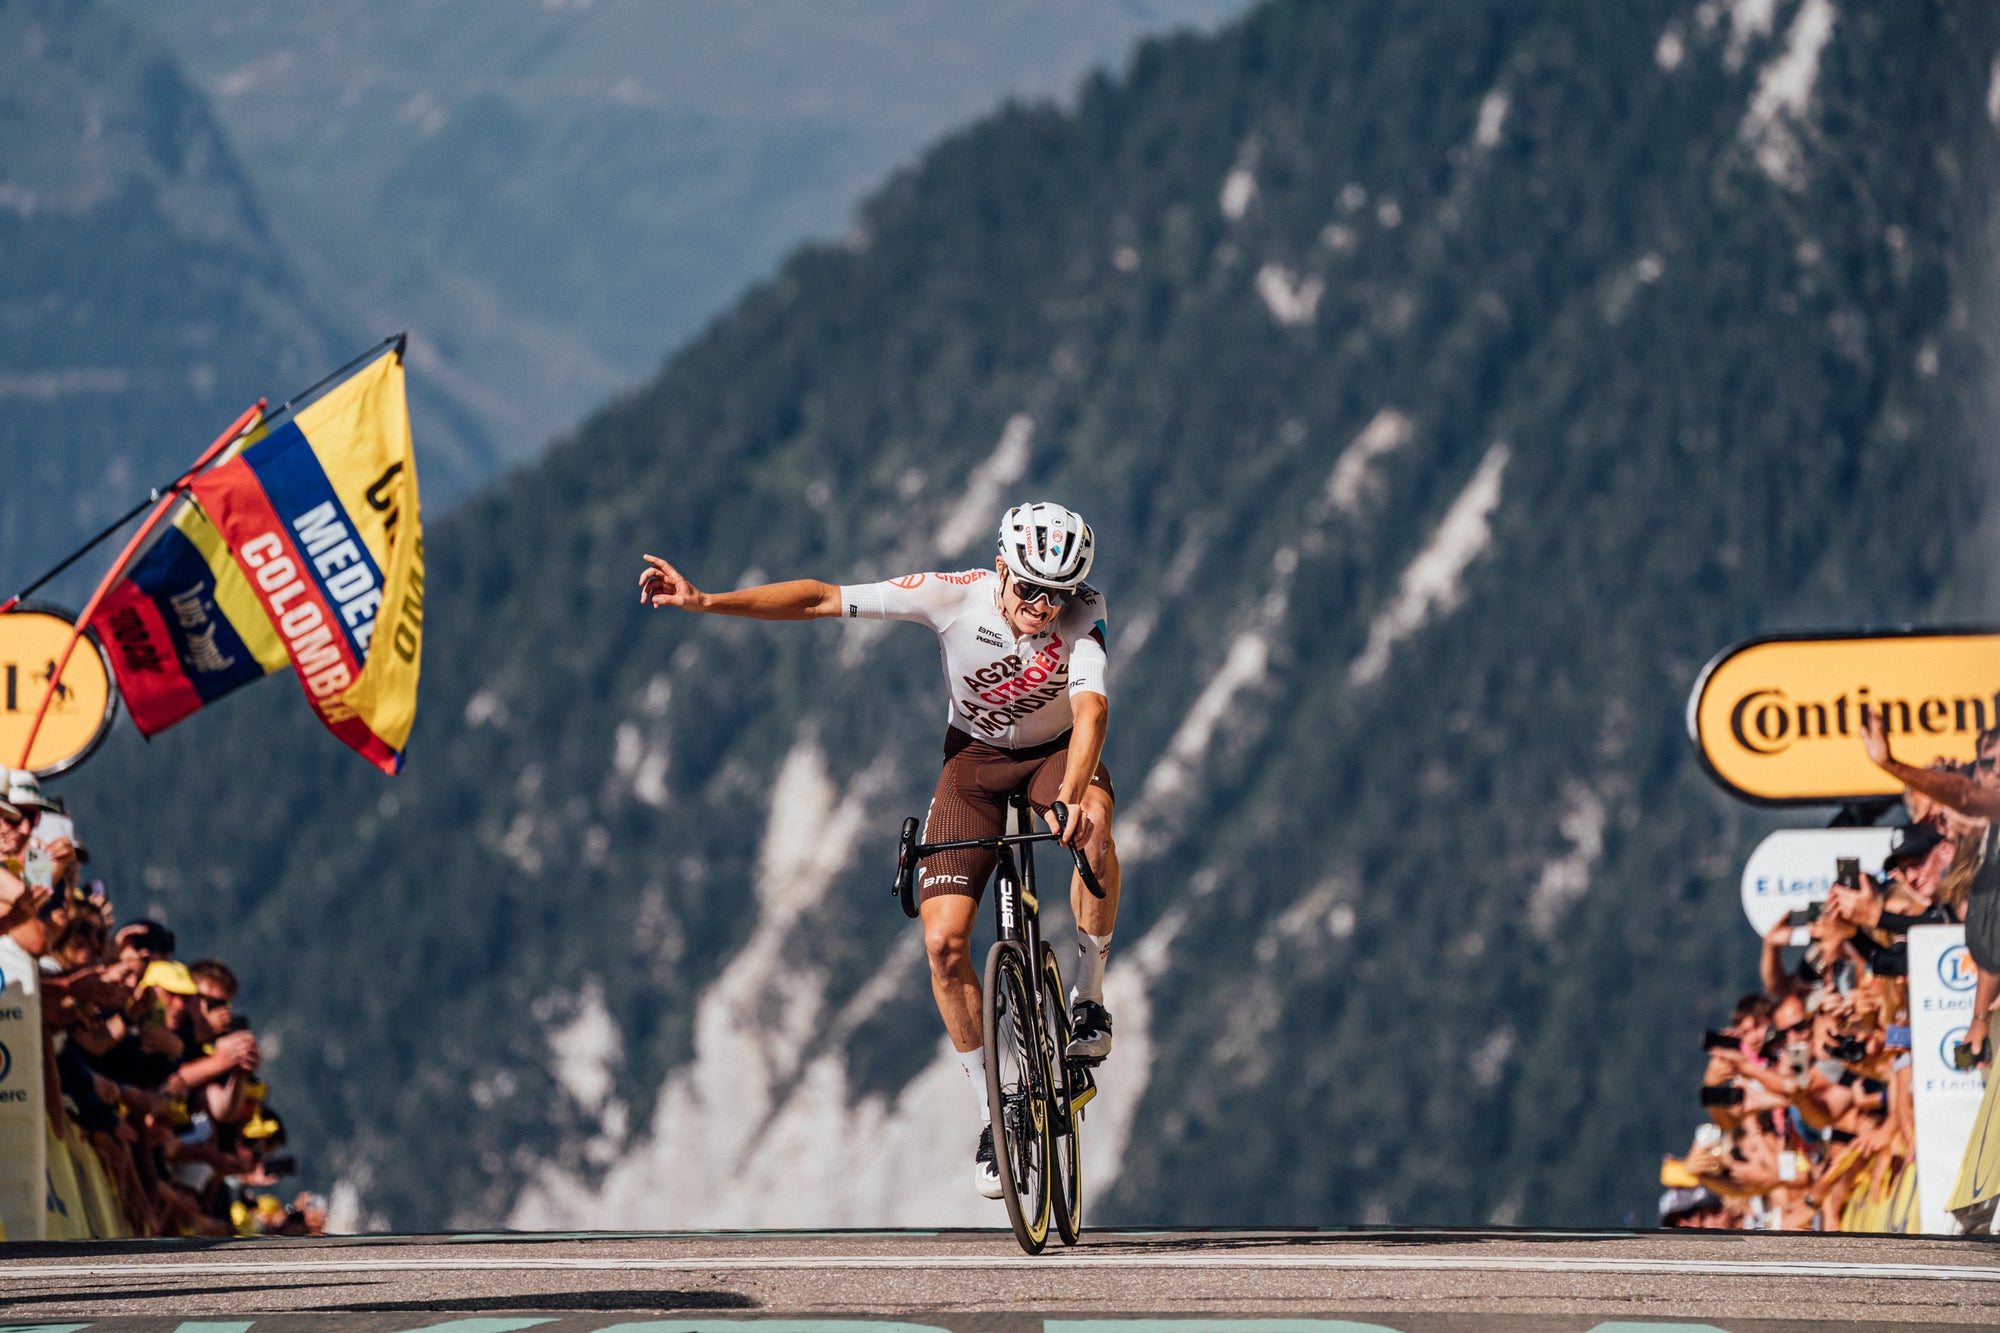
{"points": [[971, 802]]}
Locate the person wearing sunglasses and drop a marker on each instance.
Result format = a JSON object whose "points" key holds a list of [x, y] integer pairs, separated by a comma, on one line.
{"points": [[1023, 647]]}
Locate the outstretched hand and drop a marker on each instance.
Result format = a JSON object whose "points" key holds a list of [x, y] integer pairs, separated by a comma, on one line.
{"points": [[660, 584], [1875, 735]]}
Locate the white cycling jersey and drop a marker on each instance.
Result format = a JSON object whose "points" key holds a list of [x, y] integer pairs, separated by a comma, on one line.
{"points": [[1007, 691]]}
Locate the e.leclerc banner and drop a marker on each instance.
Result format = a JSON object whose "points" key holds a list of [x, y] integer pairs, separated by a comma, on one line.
{"points": [[1777, 719], [1794, 868], [322, 517], [1946, 1099]]}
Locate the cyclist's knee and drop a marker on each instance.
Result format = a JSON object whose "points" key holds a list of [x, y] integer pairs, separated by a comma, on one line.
{"points": [[949, 947]]}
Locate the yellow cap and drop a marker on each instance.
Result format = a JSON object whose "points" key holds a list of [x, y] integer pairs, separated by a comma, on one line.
{"points": [[1674, 1174], [167, 975]]}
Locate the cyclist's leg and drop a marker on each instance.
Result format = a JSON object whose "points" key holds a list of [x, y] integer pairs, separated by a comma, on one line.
{"points": [[948, 919], [949, 885]]}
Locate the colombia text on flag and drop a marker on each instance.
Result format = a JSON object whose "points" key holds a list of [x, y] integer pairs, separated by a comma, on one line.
{"points": [[185, 626], [322, 517]]}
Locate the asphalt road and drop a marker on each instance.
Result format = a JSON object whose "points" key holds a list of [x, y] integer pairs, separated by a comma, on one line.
{"points": [[979, 1282]]}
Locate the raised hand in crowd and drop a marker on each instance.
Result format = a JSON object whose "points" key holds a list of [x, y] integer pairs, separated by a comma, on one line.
{"points": [[1948, 787]]}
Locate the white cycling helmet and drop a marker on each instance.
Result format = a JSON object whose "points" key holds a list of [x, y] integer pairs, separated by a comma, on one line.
{"points": [[1046, 544]]}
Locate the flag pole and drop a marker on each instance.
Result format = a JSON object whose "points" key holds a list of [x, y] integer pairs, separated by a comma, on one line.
{"points": [[160, 507]]}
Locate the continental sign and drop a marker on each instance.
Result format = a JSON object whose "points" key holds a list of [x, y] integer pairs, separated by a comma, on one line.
{"points": [[1777, 720], [31, 640]]}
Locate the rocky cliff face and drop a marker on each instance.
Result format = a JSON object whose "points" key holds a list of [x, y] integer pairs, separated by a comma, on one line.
{"points": [[1444, 385]]}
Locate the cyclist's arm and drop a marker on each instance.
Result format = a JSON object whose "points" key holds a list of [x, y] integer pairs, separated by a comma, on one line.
{"points": [[796, 599], [1092, 717], [660, 584]]}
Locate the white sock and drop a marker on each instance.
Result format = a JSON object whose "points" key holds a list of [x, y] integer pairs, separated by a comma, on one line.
{"points": [[974, 1061], [1091, 951]]}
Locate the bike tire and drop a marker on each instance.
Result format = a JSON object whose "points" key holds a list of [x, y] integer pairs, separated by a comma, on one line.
{"points": [[1065, 1119], [1016, 1077]]}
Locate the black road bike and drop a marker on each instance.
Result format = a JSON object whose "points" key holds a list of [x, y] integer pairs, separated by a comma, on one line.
{"points": [[1035, 1090]]}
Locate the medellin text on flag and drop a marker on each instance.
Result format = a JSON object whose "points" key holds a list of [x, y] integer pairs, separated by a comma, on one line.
{"points": [[322, 518]]}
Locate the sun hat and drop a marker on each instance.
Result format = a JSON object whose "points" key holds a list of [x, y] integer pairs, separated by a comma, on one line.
{"points": [[22, 790]]}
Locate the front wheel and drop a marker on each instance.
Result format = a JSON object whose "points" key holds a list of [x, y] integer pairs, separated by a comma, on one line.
{"points": [[1017, 1080], [1065, 1117]]}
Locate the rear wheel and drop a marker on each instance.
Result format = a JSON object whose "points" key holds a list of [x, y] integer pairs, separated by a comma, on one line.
{"points": [[1065, 1118], [1017, 1076]]}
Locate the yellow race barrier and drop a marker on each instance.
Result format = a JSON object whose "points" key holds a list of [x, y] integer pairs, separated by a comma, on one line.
{"points": [[67, 1218], [1977, 1194], [101, 1205]]}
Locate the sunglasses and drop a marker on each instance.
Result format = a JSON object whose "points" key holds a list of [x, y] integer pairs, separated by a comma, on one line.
{"points": [[213, 1001], [1035, 592], [1987, 763]]}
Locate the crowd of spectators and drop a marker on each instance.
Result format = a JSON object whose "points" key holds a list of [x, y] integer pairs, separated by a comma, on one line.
{"points": [[146, 1059], [1808, 1087]]}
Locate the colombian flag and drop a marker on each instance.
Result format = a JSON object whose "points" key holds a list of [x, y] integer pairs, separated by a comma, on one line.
{"points": [[321, 516], [184, 626]]}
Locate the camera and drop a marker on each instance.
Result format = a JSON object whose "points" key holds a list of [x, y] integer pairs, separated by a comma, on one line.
{"points": [[1712, 1040], [1727, 1094], [1847, 1049]]}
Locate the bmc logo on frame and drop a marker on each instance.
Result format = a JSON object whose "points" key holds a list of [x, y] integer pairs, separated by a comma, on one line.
{"points": [[1955, 969]]}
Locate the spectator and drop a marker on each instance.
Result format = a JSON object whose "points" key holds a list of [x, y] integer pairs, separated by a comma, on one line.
{"points": [[152, 1075], [1808, 1090]]}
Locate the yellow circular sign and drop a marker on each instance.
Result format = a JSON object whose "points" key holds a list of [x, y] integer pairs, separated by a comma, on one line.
{"points": [[1778, 720], [32, 638]]}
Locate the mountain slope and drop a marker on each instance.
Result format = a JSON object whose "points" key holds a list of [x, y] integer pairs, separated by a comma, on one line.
{"points": [[1444, 385], [143, 303], [551, 196]]}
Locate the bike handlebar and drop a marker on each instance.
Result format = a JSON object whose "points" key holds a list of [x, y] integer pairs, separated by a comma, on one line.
{"points": [[909, 851]]}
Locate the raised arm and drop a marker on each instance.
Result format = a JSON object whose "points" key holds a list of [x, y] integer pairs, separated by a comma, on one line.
{"points": [[798, 599], [1955, 791]]}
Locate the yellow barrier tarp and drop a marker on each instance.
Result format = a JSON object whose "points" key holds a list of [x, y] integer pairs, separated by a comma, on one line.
{"points": [[100, 1197], [67, 1218], [1974, 1198]]}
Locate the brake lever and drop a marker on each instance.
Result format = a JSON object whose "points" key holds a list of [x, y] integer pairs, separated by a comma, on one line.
{"points": [[1061, 812]]}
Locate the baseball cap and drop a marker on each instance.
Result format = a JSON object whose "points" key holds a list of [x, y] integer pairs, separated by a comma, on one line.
{"points": [[169, 976], [1912, 842]]}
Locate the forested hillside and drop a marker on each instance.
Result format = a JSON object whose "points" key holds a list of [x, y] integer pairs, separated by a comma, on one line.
{"points": [[1445, 383], [143, 303], [551, 196]]}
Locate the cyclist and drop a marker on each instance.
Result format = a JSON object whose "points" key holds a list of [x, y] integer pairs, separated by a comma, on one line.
{"points": [[1023, 645]]}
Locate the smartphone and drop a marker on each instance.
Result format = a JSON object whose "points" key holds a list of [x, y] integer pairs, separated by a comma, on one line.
{"points": [[1712, 1040], [1727, 1094], [1847, 872]]}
